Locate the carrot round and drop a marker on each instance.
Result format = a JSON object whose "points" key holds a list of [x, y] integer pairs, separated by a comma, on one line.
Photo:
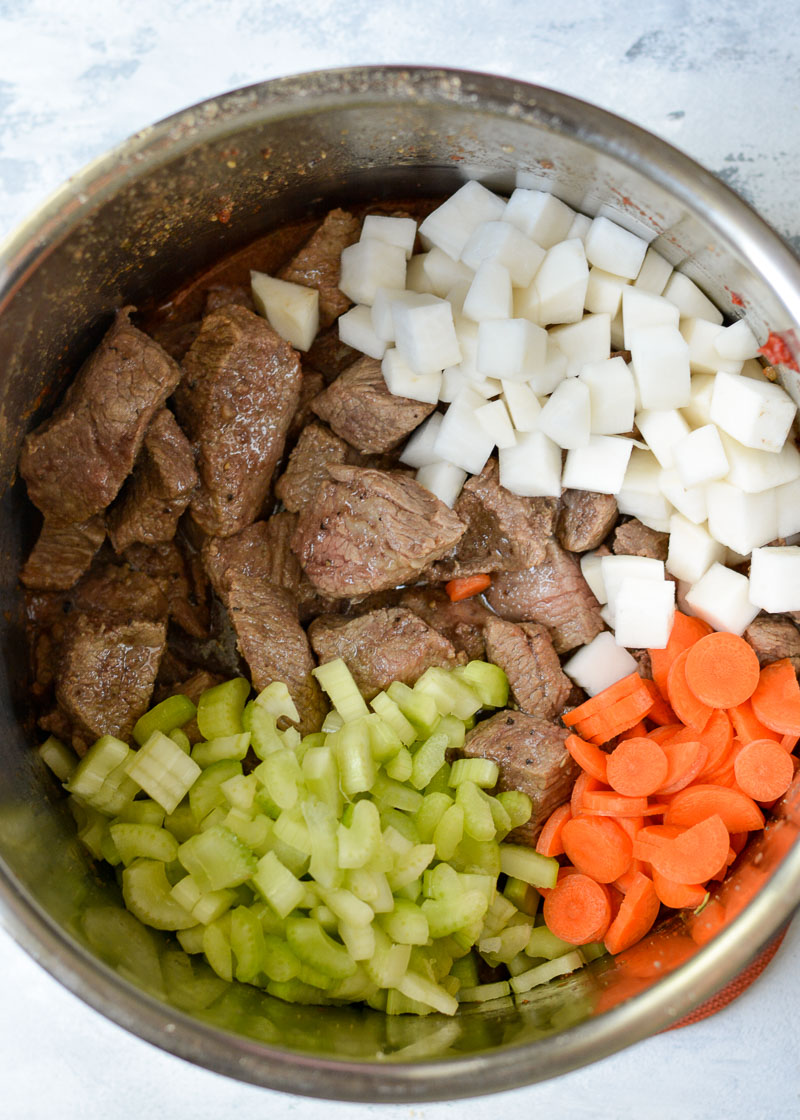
{"points": [[637, 767], [618, 717], [550, 842], [695, 855], [634, 732], [660, 713], [738, 812], [583, 784], [598, 847], [602, 700], [722, 670], [763, 770], [717, 736], [577, 910], [638, 911], [776, 700], [678, 896], [685, 760], [685, 704], [589, 757], [608, 803], [464, 587], [664, 733], [747, 725], [686, 630]]}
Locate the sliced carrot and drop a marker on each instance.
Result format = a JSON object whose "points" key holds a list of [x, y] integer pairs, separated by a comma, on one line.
{"points": [[722, 775], [636, 915], [464, 587], [678, 896], [609, 803], [625, 882], [660, 713], [763, 770], [717, 736], [550, 842], [578, 910], [738, 812], [711, 919], [686, 630], [722, 670], [589, 757], [637, 767], [631, 825], [656, 809], [789, 742], [583, 783], [620, 716], [747, 725], [651, 837], [623, 687], [687, 707], [598, 847], [776, 700], [664, 734], [695, 855], [634, 732], [685, 760]]}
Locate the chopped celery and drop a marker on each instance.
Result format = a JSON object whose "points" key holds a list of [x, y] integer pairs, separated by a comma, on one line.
{"points": [[175, 711], [179, 736], [543, 943], [143, 812], [282, 890], [224, 746], [451, 695], [147, 841], [465, 969], [217, 948], [422, 990], [239, 791], [278, 961], [428, 759], [281, 776], [321, 776], [544, 972], [593, 951], [217, 858], [419, 708], [163, 771], [384, 741], [191, 939], [389, 962], [480, 993], [311, 945], [507, 943], [182, 823], [359, 840], [321, 822], [523, 895], [454, 729], [101, 778], [264, 735], [336, 679], [410, 865], [400, 822], [358, 940], [395, 795], [440, 782], [517, 804], [254, 830], [277, 700], [446, 915], [348, 908], [400, 765], [406, 924], [481, 856], [390, 713], [500, 818], [482, 771], [528, 865], [449, 831], [354, 758], [146, 891], [291, 828], [430, 813], [372, 887], [332, 722], [478, 821], [247, 943], [60, 758], [499, 914], [489, 681], [219, 709]]}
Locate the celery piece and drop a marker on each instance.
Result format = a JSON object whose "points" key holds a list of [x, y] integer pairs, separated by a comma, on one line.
{"points": [[430, 813], [182, 823], [482, 771], [347, 907], [475, 881], [321, 776], [410, 865], [360, 839], [332, 722], [264, 735], [191, 939], [389, 963], [466, 971], [163, 771], [312, 945], [175, 711], [390, 713], [522, 895], [60, 758], [188, 989], [278, 961], [247, 943], [281, 776], [440, 782], [295, 991], [321, 822], [220, 708], [406, 924], [501, 911], [384, 741], [542, 973], [509, 942], [398, 1004], [277, 885], [419, 708], [277, 700], [124, 943], [355, 988], [481, 856], [108, 849], [543, 943], [481, 993], [453, 696], [336, 679], [146, 891], [217, 858], [291, 829], [395, 795], [400, 822], [101, 778], [224, 746], [428, 760], [358, 940], [446, 915], [518, 806], [325, 916], [147, 841], [593, 951], [354, 758], [449, 831], [179, 736], [422, 990], [254, 830], [478, 821], [371, 887], [145, 811], [240, 791], [394, 840], [489, 682], [500, 818], [411, 890], [400, 765], [217, 947], [526, 864], [212, 905], [454, 729], [442, 881], [214, 819]]}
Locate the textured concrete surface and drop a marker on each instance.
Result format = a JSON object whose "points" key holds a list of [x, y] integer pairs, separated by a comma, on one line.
{"points": [[719, 80]]}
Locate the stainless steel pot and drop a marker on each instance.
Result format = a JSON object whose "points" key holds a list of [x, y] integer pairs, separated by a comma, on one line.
{"points": [[176, 197]]}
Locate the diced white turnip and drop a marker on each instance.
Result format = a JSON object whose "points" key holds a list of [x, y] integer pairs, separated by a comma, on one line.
{"points": [[617, 332], [757, 413], [662, 429], [592, 571], [689, 300], [467, 335], [692, 549], [754, 369], [394, 231], [641, 494], [513, 349], [496, 423], [614, 249], [442, 479], [505, 244], [737, 342], [416, 277], [425, 334], [292, 310], [604, 291], [660, 360], [616, 569], [356, 330], [489, 295], [741, 521], [461, 439], [456, 295], [370, 265], [403, 381], [552, 373], [418, 451], [611, 394], [643, 309], [690, 502], [775, 579], [588, 340], [599, 664], [558, 290], [654, 273], [566, 416], [532, 468], [644, 612], [720, 597], [754, 471], [523, 405], [382, 311], [699, 457], [698, 410], [788, 502], [540, 216], [450, 225], [581, 224], [600, 466], [443, 272], [701, 336]]}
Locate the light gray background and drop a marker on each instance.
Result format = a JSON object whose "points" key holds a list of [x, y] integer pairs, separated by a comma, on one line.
{"points": [[721, 81]]}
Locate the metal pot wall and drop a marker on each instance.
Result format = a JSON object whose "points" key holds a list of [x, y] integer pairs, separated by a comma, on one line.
{"points": [[131, 226]]}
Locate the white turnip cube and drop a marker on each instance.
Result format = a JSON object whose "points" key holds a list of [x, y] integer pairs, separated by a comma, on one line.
{"points": [[549, 375], [394, 231], [741, 521], [691, 502], [654, 273], [495, 421], [443, 272], [442, 479], [383, 313], [402, 381], [616, 569], [599, 664], [754, 471], [592, 571], [737, 342], [456, 296], [505, 244], [757, 413], [461, 439], [614, 249], [532, 468], [617, 332], [292, 310], [588, 340], [418, 451], [604, 291], [775, 579], [558, 290], [513, 349], [600, 466], [690, 301], [489, 295], [641, 494], [661, 429], [788, 502], [370, 265], [566, 416], [356, 330], [467, 335], [581, 224], [692, 549], [523, 405], [644, 612], [754, 369], [612, 395], [416, 277], [701, 336], [660, 360], [540, 216], [720, 597], [698, 411], [641, 308], [425, 335], [449, 226], [700, 457]]}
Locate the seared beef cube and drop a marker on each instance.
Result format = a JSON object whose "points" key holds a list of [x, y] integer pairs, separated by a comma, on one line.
{"points": [[329, 355], [585, 519], [504, 532], [318, 263], [76, 462], [227, 295], [360, 408], [642, 659], [369, 530], [634, 539], [176, 338], [239, 392], [461, 623], [392, 644], [308, 466], [120, 593], [532, 757], [107, 673], [158, 491], [62, 554], [525, 653], [554, 594], [311, 386], [182, 580], [773, 639]]}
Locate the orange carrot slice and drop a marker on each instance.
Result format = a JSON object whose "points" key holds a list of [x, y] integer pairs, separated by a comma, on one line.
{"points": [[738, 812], [608, 803], [747, 726], [686, 630], [660, 713], [589, 757], [763, 770], [621, 688], [578, 910], [550, 842], [637, 913], [637, 767], [583, 784], [598, 847], [722, 670], [687, 707], [685, 760], [776, 700], [678, 895], [695, 855]]}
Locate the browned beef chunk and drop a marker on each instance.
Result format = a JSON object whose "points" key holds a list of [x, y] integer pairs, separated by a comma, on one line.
{"points": [[182, 580], [631, 538], [368, 530], [360, 408], [504, 532], [225, 295], [773, 639], [555, 594], [585, 519], [526, 655], [392, 644], [642, 659], [532, 757], [238, 395], [158, 491], [176, 338], [329, 355], [75, 463], [461, 623], [318, 263], [62, 554], [117, 591], [311, 386], [308, 465], [106, 674]]}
